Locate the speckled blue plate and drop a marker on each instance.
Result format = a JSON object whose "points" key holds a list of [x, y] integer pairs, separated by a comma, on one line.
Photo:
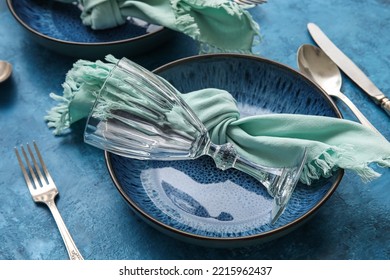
{"points": [[58, 26], [193, 200]]}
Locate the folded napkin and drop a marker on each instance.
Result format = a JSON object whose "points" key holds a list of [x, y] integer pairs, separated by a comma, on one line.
{"points": [[272, 140], [221, 25]]}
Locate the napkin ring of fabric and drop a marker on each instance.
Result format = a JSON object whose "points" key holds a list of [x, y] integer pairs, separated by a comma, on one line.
{"points": [[218, 25], [331, 143]]}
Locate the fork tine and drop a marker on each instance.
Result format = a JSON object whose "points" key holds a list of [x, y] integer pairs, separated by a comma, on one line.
{"points": [[32, 173], [44, 168], [24, 171], [36, 166]]}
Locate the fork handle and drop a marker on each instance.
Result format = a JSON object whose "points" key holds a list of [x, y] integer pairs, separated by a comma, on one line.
{"points": [[73, 252]]}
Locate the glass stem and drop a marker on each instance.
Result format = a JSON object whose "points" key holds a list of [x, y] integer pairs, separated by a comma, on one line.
{"points": [[225, 157]]}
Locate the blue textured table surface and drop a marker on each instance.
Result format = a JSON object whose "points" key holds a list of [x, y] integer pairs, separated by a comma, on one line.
{"points": [[353, 224]]}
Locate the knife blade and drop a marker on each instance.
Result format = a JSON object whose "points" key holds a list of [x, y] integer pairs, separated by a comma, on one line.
{"points": [[349, 67]]}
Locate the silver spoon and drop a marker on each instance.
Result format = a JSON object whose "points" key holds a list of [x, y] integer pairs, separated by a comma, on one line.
{"points": [[317, 66], [5, 70]]}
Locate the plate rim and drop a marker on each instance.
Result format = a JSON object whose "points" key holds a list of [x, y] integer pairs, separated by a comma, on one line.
{"points": [[241, 240]]}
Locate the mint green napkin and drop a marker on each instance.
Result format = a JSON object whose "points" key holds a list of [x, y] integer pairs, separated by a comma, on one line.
{"points": [[271, 140], [219, 25]]}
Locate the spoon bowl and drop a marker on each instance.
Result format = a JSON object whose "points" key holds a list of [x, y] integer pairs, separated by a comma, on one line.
{"points": [[5, 70], [318, 67], [313, 62]]}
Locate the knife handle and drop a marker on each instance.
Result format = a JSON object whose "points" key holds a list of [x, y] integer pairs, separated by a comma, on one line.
{"points": [[385, 104]]}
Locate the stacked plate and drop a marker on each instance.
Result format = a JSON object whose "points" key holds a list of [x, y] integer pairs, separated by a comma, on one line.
{"points": [[58, 27]]}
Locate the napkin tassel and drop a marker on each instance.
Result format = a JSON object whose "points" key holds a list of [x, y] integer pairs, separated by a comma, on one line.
{"points": [[84, 80], [367, 173], [58, 116], [330, 160]]}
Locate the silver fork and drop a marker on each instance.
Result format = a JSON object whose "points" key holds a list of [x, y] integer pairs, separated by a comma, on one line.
{"points": [[44, 190], [250, 2]]}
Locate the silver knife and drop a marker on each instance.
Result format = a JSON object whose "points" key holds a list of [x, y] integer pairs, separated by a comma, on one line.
{"points": [[349, 67]]}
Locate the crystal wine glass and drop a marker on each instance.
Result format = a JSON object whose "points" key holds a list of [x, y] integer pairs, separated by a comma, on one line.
{"points": [[139, 115]]}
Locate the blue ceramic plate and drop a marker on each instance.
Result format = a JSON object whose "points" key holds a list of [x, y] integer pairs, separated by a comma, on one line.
{"points": [[58, 26], [193, 200]]}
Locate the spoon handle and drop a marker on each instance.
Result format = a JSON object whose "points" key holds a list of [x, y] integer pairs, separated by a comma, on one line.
{"points": [[363, 120]]}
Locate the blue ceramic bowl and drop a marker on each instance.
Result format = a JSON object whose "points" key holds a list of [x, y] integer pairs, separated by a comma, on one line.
{"points": [[196, 202], [58, 27]]}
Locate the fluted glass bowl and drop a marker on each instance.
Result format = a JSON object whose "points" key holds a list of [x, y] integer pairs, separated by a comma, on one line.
{"points": [[196, 202]]}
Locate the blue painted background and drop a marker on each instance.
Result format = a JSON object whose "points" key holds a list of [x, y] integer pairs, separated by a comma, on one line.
{"points": [[353, 224]]}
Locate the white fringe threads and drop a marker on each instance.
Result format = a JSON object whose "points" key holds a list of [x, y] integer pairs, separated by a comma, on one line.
{"points": [[340, 157], [85, 78]]}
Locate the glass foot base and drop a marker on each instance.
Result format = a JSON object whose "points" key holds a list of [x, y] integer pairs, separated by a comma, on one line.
{"points": [[285, 187]]}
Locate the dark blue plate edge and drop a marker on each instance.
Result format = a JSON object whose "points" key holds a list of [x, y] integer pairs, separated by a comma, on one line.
{"points": [[227, 242]]}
